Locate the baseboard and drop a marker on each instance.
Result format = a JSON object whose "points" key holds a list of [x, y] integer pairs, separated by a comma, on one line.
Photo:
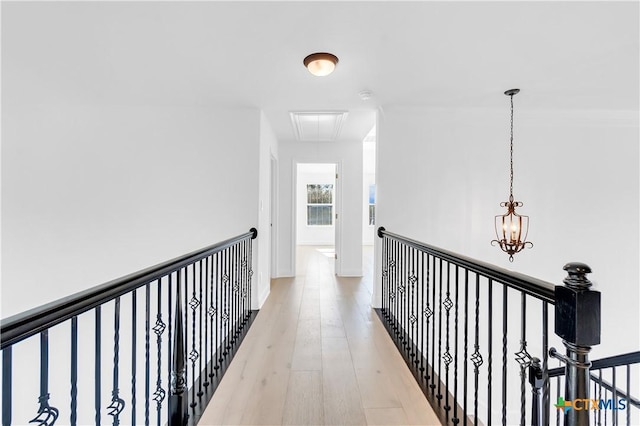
{"points": [[263, 296], [351, 273]]}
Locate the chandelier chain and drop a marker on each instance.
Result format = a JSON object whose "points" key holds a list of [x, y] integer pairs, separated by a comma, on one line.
{"points": [[511, 155]]}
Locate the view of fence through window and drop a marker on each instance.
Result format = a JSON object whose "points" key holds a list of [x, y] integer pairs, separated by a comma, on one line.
{"points": [[320, 204]]}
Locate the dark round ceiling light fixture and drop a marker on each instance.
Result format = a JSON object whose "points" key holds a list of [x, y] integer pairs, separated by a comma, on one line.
{"points": [[321, 64]]}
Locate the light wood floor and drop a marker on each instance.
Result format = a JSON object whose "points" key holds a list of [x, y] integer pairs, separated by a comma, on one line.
{"points": [[318, 354]]}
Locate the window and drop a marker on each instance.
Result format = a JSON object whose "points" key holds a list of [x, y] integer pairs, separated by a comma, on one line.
{"points": [[320, 204], [372, 204]]}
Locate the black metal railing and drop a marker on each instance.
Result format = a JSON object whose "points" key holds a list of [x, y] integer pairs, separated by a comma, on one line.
{"points": [[476, 336], [148, 348], [615, 391]]}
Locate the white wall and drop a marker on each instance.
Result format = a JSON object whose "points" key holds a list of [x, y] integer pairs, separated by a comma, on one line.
{"points": [[309, 174], [348, 154], [442, 174], [268, 149], [91, 193]]}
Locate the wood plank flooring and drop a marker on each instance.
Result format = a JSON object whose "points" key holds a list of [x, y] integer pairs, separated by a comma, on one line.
{"points": [[317, 354]]}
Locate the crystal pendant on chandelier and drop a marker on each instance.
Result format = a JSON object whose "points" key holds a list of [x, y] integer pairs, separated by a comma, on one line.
{"points": [[511, 227]]}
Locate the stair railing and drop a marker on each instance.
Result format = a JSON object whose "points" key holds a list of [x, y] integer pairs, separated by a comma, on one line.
{"points": [[454, 318], [175, 328]]}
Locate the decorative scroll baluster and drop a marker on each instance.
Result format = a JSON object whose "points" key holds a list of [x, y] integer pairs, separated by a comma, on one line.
{"points": [[200, 372], [427, 313], [385, 276], [466, 343], [6, 386], [220, 301], [47, 415], [207, 322], [432, 386], [133, 356], [194, 354], [117, 403], [403, 296], [159, 328], [476, 358], [448, 304], [226, 297], [413, 297], [522, 356], [440, 303], [74, 371], [421, 323], [98, 369]]}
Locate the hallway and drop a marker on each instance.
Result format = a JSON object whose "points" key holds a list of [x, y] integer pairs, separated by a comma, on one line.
{"points": [[317, 354]]}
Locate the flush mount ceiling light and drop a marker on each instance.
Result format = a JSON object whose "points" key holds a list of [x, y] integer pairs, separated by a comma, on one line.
{"points": [[511, 227], [321, 64]]}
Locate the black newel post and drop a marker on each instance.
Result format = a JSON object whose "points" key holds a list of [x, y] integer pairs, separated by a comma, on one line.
{"points": [[178, 413], [577, 322]]}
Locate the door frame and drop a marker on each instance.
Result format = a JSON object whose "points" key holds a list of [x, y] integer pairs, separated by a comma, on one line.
{"points": [[338, 243]]}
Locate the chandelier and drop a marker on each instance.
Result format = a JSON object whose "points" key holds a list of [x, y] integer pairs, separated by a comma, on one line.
{"points": [[511, 228]]}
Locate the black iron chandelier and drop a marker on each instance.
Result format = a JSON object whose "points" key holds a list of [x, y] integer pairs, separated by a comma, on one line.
{"points": [[511, 227]]}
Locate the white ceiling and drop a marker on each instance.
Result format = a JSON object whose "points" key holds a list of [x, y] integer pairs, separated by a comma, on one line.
{"points": [[563, 55]]}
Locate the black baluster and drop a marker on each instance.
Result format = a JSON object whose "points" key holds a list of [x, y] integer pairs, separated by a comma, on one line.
{"points": [[439, 394], [147, 346], [545, 363], [455, 418], [226, 317], [185, 324], [133, 356], [194, 354], [401, 293], [169, 339], [7, 385], [433, 327], [200, 356], [599, 397], [504, 355], [522, 356], [159, 328], [117, 403], [385, 274], [614, 395], [178, 397], [219, 288], [98, 368], [207, 321], [476, 358], [427, 314], [448, 304], [628, 394], [490, 348], [414, 303], [558, 411], [393, 279], [250, 263], [74, 371], [466, 344], [47, 415], [421, 323]]}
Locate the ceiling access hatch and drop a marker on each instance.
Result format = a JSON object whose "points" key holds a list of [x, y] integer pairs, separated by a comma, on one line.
{"points": [[317, 126]]}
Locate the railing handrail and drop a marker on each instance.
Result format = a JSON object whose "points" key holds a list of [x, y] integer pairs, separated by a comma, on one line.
{"points": [[25, 324], [602, 363], [534, 287]]}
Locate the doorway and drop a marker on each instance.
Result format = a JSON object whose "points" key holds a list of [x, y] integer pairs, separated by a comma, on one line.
{"points": [[317, 209]]}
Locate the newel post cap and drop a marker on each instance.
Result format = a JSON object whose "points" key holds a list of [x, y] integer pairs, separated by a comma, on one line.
{"points": [[577, 277]]}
